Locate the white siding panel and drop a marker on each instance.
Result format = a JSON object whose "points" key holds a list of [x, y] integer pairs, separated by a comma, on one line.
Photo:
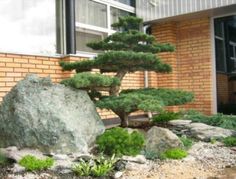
{"points": [[156, 9]]}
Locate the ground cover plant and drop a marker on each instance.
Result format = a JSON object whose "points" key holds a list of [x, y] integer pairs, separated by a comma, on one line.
{"points": [[175, 153], [31, 163], [97, 168], [165, 116], [3, 160], [127, 51], [187, 142], [220, 120], [230, 141], [120, 142]]}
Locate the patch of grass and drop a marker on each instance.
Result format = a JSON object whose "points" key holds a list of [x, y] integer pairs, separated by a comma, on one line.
{"points": [[230, 141], [97, 168], [118, 141], [165, 117], [187, 142], [31, 163], [174, 154]]}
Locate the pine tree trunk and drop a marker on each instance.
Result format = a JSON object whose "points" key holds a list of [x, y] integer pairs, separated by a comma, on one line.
{"points": [[114, 91], [124, 120]]}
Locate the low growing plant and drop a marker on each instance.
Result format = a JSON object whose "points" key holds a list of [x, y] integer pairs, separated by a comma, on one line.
{"points": [[31, 163], [229, 141], [151, 155], [97, 168], [165, 117], [187, 142], [220, 120], [118, 141], [3, 160], [174, 154]]}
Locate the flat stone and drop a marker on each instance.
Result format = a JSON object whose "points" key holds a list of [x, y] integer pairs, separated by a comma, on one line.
{"points": [[60, 157], [137, 159], [17, 155], [206, 133], [180, 123]]}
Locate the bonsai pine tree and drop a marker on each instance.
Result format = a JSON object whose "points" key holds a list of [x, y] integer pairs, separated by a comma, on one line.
{"points": [[126, 51]]}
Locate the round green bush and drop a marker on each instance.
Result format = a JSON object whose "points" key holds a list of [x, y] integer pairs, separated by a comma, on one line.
{"points": [[175, 154], [119, 142]]}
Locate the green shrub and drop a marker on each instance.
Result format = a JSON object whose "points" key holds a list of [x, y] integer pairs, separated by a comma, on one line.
{"points": [[220, 120], [187, 142], [165, 116], [31, 163], [229, 141], [97, 168], [174, 154], [118, 141]]}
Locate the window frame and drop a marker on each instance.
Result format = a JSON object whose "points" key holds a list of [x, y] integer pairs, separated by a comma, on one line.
{"points": [[109, 4]]}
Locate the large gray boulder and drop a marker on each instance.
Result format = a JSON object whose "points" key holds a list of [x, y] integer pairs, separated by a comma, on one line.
{"points": [[51, 117], [159, 140]]}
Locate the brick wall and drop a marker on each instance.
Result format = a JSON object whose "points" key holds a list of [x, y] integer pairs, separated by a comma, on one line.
{"points": [[14, 68], [191, 62]]}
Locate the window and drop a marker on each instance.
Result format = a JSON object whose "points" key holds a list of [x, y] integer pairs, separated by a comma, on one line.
{"points": [[128, 2], [28, 26], [94, 19], [92, 13], [116, 13], [86, 36]]}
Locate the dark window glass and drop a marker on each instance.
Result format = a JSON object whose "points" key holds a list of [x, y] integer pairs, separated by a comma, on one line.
{"points": [[219, 29], [220, 55]]}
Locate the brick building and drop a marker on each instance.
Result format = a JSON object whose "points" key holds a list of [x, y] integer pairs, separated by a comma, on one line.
{"points": [[35, 35]]}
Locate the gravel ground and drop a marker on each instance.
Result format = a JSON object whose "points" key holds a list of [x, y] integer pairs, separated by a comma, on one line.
{"points": [[205, 160]]}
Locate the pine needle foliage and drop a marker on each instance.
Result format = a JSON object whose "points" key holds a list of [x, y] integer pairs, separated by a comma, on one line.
{"points": [[126, 51]]}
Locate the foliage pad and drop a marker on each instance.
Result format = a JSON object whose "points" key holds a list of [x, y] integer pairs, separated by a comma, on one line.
{"points": [[126, 51]]}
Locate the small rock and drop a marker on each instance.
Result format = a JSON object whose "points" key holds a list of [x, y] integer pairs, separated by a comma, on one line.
{"points": [[60, 157], [16, 155], [137, 159], [17, 168], [118, 174], [120, 165], [85, 157]]}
